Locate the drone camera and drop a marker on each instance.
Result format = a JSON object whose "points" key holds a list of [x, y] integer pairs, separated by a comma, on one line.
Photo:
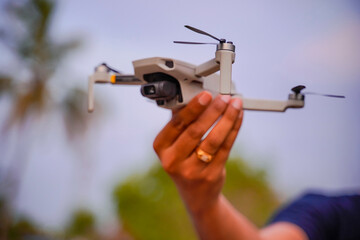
{"points": [[161, 87], [162, 90]]}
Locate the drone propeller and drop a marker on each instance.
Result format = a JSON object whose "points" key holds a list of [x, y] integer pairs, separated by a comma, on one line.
{"points": [[184, 42], [324, 95], [299, 88], [110, 68], [203, 33]]}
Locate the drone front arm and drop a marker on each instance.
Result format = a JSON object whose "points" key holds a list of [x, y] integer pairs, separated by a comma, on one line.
{"points": [[122, 79], [102, 75]]}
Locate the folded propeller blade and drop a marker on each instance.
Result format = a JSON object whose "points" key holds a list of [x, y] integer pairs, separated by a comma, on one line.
{"points": [[202, 32], [299, 88], [110, 68], [185, 42], [324, 95]]}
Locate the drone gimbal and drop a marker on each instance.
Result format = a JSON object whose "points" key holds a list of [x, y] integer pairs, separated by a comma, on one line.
{"points": [[173, 83]]}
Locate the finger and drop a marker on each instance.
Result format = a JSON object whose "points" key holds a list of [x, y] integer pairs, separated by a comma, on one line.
{"points": [[222, 155], [214, 140], [219, 134], [181, 120], [229, 142], [190, 138]]}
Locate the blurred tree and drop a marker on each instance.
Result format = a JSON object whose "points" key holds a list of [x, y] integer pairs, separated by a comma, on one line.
{"points": [[35, 55], [82, 224], [28, 38], [150, 207], [21, 229]]}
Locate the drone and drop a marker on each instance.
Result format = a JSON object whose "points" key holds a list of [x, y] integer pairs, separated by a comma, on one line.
{"points": [[173, 83]]}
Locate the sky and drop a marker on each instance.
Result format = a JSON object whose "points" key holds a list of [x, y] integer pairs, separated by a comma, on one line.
{"points": [[279, 44]]}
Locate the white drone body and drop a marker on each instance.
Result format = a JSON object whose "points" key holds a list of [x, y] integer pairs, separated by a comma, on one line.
{"points": [[173, 83]]}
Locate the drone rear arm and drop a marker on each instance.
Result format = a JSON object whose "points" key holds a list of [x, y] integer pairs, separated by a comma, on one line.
{"points": [[271, 105], [207, 68], [224, 58]]}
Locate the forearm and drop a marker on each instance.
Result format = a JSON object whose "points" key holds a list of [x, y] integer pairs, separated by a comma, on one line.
{"points": [[222, 221]]}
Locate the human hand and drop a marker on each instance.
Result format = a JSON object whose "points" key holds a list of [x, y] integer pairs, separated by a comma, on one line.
{"points": [[198, 182]]}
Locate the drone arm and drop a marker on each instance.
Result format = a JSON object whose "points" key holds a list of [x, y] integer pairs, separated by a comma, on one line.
{"points": [[207, 68], [125, 79], [271, 105], [91, 94], [101, 75], [226, 59]]}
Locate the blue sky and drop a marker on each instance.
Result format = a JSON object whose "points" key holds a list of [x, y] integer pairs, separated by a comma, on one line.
{"points": [[279, 44]]}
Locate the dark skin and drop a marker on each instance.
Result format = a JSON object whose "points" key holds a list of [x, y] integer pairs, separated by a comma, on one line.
{"points": [[200, 183]]}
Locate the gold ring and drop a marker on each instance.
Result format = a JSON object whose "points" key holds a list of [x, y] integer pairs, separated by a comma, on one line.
{"points": [[203, 156]]}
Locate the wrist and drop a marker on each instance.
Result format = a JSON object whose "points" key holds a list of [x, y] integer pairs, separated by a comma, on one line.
{"points": [[202, 208]]}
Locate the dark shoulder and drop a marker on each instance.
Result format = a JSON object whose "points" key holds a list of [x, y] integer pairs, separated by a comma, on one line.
{"points": [[324, 216]]}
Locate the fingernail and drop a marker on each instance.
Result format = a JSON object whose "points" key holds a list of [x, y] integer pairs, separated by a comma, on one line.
{"points": [[204, 99], [225, 98], [237, 103]]}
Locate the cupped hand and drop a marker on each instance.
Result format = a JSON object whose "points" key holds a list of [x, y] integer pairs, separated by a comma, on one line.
{"points": [[206, 124]]}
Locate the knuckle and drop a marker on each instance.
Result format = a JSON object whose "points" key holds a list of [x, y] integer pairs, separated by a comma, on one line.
{"points": [[219, 106], [177, 121], [192, 113], [189, 175], [227, 145], [223, 173], [185, 117], [156, 146], [213, 143], [159, 146], [211, 178], [168, 166], [231, 114], [168, 161], [195, 131]]}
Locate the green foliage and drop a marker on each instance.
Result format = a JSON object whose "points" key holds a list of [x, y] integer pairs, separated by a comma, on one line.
{"points": [[150, 208], [82, 224], [249, 191], [21, 229]]}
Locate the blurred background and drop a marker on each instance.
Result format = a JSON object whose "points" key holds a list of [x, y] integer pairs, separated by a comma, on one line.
{"points": [[65, 173]]}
